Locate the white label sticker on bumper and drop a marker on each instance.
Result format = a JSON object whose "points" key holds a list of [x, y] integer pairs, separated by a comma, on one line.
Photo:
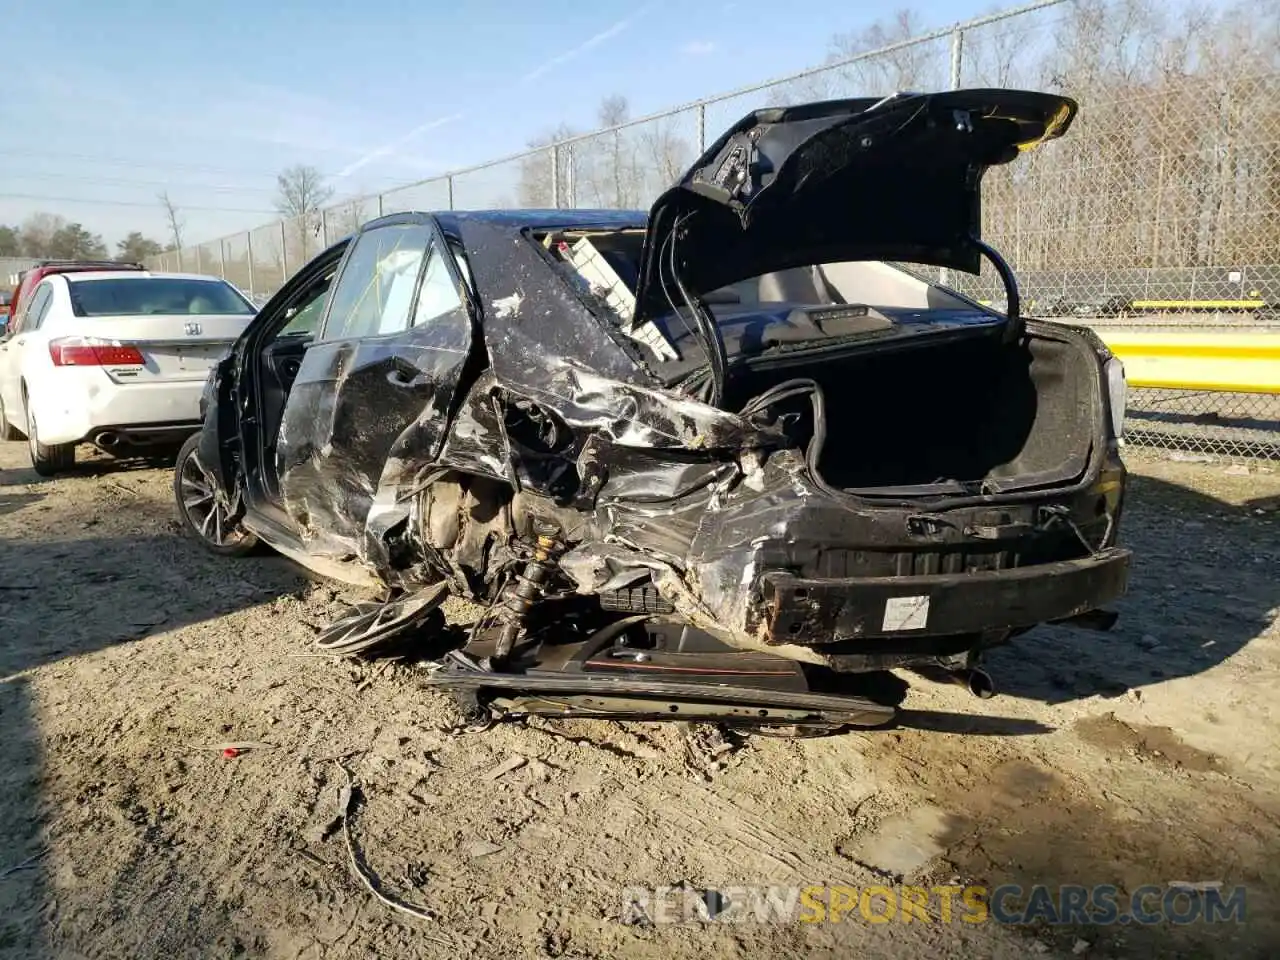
{"points": [[906, 613]]}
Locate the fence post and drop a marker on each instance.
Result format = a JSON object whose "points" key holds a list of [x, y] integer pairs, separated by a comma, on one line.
{"points": [[449, 183], [555, 175], [248, 252], [284, 253], [380, 213], [222, 259], [199, 264], [324, 230], [957, 57], [702, 129], [570, 197]]}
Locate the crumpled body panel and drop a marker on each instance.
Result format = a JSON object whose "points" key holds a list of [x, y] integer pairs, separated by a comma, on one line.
{"points": [[354, 457], [544, 413]]}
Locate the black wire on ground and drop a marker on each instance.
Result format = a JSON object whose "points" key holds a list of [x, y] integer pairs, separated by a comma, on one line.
{"points": [[345, 803]]}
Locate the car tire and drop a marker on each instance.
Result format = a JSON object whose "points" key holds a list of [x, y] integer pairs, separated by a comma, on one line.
{"points": [[47, 459], [7, 430], [202, 515]]}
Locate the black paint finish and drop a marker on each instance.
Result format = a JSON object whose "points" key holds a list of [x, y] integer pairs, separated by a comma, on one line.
{"points": [[425, 453]]}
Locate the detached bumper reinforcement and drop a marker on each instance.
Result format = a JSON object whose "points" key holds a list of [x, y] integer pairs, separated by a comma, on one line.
{"points": [[824, 707], [808, 611]]}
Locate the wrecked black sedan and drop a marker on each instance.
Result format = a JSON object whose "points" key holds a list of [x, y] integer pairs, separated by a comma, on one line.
{"points": [[702, 463]]}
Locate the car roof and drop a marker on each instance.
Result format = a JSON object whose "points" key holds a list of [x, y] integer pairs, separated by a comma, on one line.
{"points": [[545, 219], [532, 219], [54, 265], [82, 276]]}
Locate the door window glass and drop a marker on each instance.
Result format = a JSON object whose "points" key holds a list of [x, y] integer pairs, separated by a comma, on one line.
{"points": [[37, 307], [306, 313], [439, 296], [42, 307], [375, 289]]}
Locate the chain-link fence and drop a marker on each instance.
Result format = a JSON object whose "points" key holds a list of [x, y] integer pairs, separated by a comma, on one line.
{"points": [[1161, 207], [11, 268], [1231, 425]]}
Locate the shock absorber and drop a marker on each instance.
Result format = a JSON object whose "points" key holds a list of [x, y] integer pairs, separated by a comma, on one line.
{"points": [[521, 594]]}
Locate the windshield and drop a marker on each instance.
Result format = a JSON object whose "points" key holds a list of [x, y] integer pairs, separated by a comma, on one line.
{"points": [[143, 296]]}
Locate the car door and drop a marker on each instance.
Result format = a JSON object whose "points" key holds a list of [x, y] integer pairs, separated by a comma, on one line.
{"points": [[15, 345], [232, 408], [379, 380]]}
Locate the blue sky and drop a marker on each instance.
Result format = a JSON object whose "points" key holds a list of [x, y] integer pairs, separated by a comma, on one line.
{"points": [[108, 104]]}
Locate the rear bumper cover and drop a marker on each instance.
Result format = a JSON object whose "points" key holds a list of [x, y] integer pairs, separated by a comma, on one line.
{"points": [[799, 610], [148, 433], [76, 404]]}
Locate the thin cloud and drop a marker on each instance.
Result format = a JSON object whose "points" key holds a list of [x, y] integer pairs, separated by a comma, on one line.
{"points": [[608, 33], [389, 148], [251, 112], [699, 48]]}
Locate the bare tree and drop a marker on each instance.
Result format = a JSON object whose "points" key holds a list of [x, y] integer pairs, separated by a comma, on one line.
{"points": [[175, 221], [348, 218], [300, 194], [666, 155], [1001, 54], [617, 158], [535, 187], [911, 67], [38, 234]]}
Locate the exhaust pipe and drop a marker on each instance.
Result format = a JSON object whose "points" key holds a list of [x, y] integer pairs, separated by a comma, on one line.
{"points": [[977, 681], [107, 440]]}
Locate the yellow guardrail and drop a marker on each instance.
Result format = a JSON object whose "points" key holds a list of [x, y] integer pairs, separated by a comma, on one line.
{"points": [[1205, 360], [1171, 306], [1249, 304]]}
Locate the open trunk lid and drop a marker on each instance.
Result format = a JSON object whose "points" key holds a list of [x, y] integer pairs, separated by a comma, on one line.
{"points": [[892, 179]]}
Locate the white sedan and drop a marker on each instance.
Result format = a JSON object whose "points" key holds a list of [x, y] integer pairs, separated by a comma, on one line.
{"points": [[113, 358]]}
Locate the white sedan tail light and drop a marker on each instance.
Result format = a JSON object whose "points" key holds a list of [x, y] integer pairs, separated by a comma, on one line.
{"points": [[93, 352]]}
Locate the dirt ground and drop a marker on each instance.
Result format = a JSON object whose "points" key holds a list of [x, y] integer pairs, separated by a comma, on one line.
{"points": [[129, 657]]}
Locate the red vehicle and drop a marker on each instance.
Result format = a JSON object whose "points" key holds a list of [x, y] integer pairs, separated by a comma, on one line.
{"points": [[30, 279]]}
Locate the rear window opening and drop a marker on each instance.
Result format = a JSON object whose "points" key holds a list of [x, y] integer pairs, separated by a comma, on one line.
{"points": [[774, 311], [156, 296]]}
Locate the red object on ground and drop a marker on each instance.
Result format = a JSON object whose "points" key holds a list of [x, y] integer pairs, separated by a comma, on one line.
{"points": [[231, 753]]}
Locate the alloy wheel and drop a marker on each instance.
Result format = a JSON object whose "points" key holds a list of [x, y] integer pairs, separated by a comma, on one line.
{"points": [[208, 516]]}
